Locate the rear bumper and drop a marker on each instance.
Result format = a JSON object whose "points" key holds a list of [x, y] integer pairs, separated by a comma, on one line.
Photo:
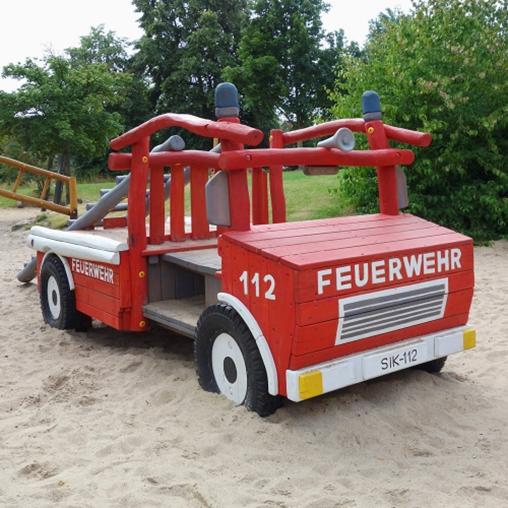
{"points": [[325, 377]]}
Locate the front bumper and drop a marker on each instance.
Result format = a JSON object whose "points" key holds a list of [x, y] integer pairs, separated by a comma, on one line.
{"points": [[325, 377]]}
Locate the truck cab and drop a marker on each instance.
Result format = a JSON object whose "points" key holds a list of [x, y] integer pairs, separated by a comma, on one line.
{"points": [[276, 309]]}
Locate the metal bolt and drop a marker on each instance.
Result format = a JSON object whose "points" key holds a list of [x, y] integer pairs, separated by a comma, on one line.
{"points": [[142, 324], [144, 159], [141, 274], [370, 130]]}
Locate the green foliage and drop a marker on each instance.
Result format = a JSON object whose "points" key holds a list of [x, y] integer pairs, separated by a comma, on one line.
{"points": [[104, 47], [186, 45], [286, 62], [101, 47], [60, 109], [71, 105], [443, 69]]}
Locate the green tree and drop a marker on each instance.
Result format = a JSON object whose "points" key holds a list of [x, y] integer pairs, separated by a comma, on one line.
{"points": [[61, 108], [286, 62], [105, 47], [442, 68], [186, 45]]}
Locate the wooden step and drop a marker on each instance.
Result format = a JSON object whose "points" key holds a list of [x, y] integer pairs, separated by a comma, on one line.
{"points": [[180, 316], [204, 261]]}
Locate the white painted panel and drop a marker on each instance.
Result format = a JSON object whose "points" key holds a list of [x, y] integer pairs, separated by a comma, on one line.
{"points": [[82, 238], [339, 375], [448, 344], [72, 250]]}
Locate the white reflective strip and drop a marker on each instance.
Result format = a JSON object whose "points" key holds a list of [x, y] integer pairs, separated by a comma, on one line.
{"points": [[72, 250], [91, 239], [264, 348], [449, 344], [359, 367]]}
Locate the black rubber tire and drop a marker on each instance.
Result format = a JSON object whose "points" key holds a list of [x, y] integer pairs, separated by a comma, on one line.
{"points": [[221, 318], [434, 366], [69, 317]]}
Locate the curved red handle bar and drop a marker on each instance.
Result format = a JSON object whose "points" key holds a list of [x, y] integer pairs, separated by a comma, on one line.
{"points": [[206, 128], [240, 159], [410, 137], [323, 129], [414, 138]]}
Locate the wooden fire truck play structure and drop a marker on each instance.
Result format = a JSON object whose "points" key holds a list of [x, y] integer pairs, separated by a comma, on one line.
{"points": [[276, 308]]}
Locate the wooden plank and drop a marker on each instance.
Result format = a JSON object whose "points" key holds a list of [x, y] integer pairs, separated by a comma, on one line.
{"points": [[324, 309], [346, 233], [323, 352], [179, 315], [259, 196], [348, 241], [262, 239], [199, 225], [315, 259], [205, 261], [187, 245], [156, 205], [177, 204], [276, 181], [255, 232], [328, 310]]}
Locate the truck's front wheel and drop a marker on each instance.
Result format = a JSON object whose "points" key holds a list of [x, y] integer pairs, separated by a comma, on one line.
{"points": [[228, 360]]}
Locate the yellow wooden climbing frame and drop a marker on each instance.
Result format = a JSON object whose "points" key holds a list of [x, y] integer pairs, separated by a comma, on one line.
{"points": [[71, 209]]}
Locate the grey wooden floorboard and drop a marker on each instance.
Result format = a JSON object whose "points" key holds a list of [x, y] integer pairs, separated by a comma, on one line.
{"points": [[179, 315], [206, 261]]}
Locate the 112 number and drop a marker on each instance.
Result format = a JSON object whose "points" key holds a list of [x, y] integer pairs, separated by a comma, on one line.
{"points": [[268, 280]]}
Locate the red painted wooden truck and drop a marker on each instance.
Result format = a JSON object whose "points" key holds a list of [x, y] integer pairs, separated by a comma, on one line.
{"points": [[276, 308]]}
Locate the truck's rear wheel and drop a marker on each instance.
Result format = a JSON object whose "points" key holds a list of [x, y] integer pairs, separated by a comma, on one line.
{"points": [[57, 299], [228, 360]]}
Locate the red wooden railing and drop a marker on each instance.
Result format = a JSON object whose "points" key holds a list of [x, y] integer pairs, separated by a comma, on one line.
{"points": [[378, 135], [232, 136]]}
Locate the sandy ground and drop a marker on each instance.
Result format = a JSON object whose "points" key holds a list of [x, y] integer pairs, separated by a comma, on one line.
{"points": [[111, 419]]}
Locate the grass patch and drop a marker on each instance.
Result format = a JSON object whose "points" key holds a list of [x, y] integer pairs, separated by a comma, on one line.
{"points": [[307, 197], [311, 197]]}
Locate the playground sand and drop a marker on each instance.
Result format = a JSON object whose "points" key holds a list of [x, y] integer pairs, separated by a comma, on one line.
{"points": [[105, 419]]}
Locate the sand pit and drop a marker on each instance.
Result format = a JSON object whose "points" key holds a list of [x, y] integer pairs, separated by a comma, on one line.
{"points": [[108, 419]]}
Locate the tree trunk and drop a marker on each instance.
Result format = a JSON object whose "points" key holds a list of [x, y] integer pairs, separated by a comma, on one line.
{"points": [[64, 169]]}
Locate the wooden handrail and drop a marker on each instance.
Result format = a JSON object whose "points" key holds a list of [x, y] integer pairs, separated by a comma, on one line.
{"points": [[41, 201], [207, 128], [399, 134]]}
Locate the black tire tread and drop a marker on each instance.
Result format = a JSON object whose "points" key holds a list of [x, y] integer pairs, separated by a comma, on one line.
{"points": [[70, 318], [258, 399]]}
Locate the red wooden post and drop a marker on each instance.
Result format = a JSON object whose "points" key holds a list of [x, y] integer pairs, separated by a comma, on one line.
{"points": [[157, 216], [177, 204], [136, 225], [386, 175], [259, 197], [200, 228], [276, 183], [376, 135], [239, 200]]}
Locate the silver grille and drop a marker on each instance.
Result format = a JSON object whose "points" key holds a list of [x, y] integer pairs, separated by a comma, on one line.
{"points": [[391, 309]]}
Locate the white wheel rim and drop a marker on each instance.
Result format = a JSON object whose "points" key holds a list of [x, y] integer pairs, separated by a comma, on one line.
{"points": [[232, 381], [53, 296]]}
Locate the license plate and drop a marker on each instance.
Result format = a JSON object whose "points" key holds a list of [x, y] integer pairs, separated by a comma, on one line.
{"points": [[394, 359]]}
